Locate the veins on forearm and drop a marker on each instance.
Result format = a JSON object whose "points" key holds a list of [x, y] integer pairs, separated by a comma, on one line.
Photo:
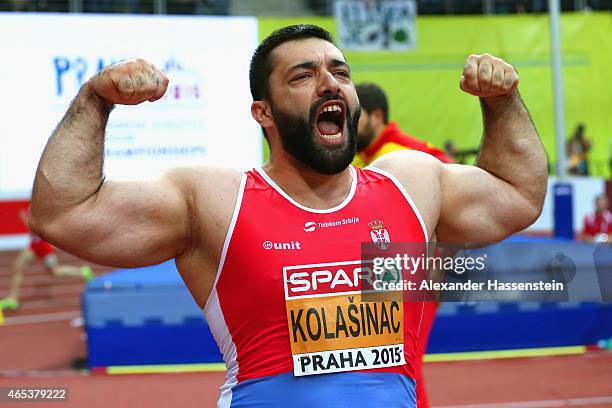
{"points": [[73, 158], [511, 149], [508, 130]]}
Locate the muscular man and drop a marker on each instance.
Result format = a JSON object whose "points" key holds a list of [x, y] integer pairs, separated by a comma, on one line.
{"points": [[377, 135], [273, 255]]}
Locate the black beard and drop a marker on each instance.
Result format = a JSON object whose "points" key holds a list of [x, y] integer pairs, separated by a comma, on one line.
{"points": [[365, 138], [300, 141]]}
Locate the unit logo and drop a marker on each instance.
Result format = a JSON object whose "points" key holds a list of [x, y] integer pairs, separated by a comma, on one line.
{"points": [[282, 245]]}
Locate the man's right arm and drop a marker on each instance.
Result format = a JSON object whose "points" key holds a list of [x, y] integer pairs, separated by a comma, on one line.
{"points": [[124, 224]]}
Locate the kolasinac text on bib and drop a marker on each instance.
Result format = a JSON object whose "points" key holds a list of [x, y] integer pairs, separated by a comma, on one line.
{"points": [[332, 328]]}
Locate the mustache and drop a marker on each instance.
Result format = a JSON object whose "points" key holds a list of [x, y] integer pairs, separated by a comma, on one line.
{"points": [[324, 99]]}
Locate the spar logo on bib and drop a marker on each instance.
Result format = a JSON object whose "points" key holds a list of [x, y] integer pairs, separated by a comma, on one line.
{"points": [[332, 328]]}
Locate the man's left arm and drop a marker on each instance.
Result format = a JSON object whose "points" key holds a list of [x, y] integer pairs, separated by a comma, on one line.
{"points": [[505, 192]]}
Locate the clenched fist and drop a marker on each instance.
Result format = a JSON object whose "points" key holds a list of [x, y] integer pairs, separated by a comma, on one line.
{"points": [[129, 83], [488, 76]]}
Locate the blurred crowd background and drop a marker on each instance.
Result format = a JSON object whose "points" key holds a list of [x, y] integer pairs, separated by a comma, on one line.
{"points": [[289, 7]]}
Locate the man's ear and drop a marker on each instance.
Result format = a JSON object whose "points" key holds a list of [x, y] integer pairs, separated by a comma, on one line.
{"points": [[261, 112], [378, 117]]}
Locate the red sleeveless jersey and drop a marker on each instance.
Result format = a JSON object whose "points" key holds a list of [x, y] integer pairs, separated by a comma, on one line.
{"points": [[285, 302]]}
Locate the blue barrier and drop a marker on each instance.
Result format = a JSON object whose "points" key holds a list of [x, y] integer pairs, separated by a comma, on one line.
{"points": [[147, 316], [503, 326]]}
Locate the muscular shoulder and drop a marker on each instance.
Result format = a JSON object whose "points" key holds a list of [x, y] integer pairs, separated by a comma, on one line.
{"points": [[410, 166], [211, 192], [204, 187], [202, 178], [419, 173]]}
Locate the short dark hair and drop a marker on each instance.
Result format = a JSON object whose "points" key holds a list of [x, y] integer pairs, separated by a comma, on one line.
{"points": [[261, 68], [371, 98]]}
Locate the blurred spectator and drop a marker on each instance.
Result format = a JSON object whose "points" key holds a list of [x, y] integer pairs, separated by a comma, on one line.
{"points": [[43, 252], [377, 135], [451, 150], [598, 225], [21, 5], [578, 148]]}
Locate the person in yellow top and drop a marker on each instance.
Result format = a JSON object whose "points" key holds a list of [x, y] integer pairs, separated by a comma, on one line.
{"points": [[377, 136], [578, 147]]}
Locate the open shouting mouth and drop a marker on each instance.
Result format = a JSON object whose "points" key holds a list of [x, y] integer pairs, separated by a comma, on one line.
{"points": [[331, 118]]}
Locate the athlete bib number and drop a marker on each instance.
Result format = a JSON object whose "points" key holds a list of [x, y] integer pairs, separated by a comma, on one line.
{"points": [[334, 327]]}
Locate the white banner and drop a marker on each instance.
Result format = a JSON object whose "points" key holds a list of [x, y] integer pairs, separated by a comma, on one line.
{"points": [[376, 25], [204, 117]]}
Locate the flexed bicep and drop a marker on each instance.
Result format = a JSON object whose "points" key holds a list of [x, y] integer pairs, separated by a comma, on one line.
{"points": [[115, 223], [127, 224], [478, 208], [505, 193]]}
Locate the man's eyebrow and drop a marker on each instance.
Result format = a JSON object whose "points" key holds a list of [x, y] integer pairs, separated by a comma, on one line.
{"points": [[303, 65], [334, 62], [339, 63]]}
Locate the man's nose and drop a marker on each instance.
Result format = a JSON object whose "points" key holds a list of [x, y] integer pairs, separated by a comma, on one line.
{"points": [[327, 84]]}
